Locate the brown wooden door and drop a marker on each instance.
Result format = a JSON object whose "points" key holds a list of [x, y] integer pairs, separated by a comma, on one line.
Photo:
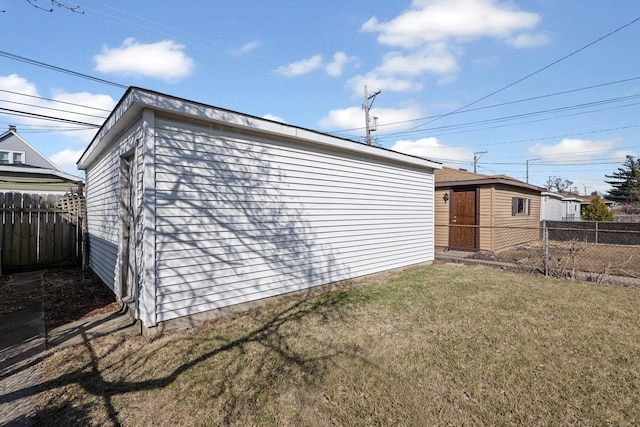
{"points": [[463, 232]]}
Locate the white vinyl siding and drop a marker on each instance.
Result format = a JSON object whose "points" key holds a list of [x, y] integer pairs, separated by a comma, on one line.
{"points": [[103, 211], [553, 208], [103, 218], [572, 210], [240, 218]]}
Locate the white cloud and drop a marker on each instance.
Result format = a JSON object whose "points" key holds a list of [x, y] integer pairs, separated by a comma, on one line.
{"points": [[526, 40], [431, 148], [66, 159], [80, 106], [79, 99], [274, 118], [389, 119], [15, 83], [246, 48], [375, 81], [340, 59], [304, 66], [486, 62], [574, 149], [430, 36], [165, 60], [398, 71], [621, 155], [345, 118], [435, 58], [443, 20]]}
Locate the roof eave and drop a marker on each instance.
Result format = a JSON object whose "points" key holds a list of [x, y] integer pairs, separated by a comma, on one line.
{"points": [[135, 100], [489, 181], [17, 170]]}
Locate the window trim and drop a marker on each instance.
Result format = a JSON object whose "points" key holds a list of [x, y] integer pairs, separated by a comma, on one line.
{"points": [[10, 155], [526, 208]]}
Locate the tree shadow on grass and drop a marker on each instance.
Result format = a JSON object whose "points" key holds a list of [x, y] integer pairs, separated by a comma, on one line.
{"points": [[279, 355]]}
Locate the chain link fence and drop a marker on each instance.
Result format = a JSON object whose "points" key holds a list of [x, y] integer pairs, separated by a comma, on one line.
{"points": [[604, 252]]}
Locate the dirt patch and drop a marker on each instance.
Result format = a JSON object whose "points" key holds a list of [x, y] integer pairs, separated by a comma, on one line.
{"points": [[568, 257], [9, 299], [69, 295]]}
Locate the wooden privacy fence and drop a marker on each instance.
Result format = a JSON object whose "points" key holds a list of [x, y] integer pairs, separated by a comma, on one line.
{"points": [[40, 231]]}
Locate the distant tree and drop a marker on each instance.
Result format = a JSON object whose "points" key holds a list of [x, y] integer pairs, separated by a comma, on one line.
{"points": [[625, 182], [596, 210], [559, 184]]}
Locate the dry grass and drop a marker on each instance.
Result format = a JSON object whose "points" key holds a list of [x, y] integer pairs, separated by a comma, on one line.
{"points": [[438, 345]]}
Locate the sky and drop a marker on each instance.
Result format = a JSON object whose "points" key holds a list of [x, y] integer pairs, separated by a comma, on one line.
{"points": [[535, 89]]}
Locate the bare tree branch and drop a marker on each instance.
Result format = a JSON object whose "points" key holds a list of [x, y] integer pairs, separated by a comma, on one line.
{"points": [[31, 2], [74, 9]]}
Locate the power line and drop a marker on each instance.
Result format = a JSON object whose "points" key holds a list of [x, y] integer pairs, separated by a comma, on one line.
{"points": [[54, 100], [194, 40], [24, 129], [564, 92], [533, 73], [53, 109], [59, 69], [589, 132], [19, 113], [535, 121], [516, 117]]}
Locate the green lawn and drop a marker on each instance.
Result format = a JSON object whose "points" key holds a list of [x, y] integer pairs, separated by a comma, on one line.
{"points": [[436, 345]]}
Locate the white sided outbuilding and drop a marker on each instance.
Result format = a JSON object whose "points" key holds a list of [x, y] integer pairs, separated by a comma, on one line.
{"points": [[193, 208], [559, 207]]}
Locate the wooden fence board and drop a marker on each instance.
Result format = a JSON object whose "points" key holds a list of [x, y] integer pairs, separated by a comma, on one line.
{"points": [[24, 238], [33, 235], [40, 231]]}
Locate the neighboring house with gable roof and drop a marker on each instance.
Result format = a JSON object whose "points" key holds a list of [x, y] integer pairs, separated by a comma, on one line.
{"points": [[24, 169], [476, 212]]}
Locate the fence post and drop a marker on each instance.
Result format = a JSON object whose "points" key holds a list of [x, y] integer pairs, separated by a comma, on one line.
{"points": [[545, 234], [596, 232]]}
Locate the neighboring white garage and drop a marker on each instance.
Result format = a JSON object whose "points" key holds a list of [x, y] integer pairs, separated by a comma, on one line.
{"points": [[193, 208], [559, 207]]}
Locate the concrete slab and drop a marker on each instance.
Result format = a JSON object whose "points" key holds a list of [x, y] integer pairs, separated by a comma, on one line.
{"points": [[23, 345], [22, 341]]}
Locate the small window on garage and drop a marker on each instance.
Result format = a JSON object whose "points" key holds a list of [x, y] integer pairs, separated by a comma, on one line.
{"points": [[520, 206]]}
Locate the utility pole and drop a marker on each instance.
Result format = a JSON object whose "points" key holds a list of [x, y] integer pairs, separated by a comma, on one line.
{"points": [[367, 107], [529, 160], [476, 157]]}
